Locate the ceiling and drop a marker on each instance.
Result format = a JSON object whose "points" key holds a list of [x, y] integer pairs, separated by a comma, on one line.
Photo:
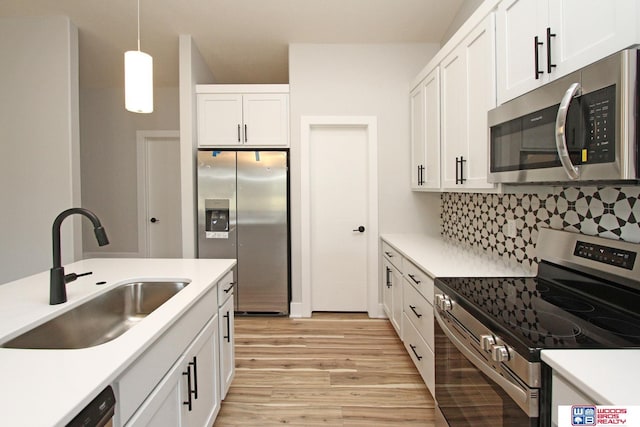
{"points": [[242, 41]]}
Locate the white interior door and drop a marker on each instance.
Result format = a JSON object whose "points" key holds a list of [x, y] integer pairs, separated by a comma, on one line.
{"points": [[339, 205], [159, 223]]}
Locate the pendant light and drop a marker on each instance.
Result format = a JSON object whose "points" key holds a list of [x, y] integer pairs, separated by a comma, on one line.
{"points": [[138, 78]]}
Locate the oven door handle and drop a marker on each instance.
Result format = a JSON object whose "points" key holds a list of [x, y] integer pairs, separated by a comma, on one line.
{"points": [[561, 131], [522, 397]]}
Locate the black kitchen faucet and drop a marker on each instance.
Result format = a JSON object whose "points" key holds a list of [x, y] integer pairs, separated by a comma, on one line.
{"points": [[57, 286]]}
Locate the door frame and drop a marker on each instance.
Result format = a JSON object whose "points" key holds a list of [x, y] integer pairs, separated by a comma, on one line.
{"points": [[142, 137], [307, 123]]}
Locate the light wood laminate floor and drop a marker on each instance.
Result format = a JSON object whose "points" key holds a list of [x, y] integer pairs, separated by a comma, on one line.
{"points": [[329, 370]]}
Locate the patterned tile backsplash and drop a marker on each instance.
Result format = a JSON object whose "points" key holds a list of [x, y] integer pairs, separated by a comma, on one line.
{"points": [[480, 220]]}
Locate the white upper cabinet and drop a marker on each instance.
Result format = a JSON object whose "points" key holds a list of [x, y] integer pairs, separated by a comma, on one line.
{"points": [[468, 92], [425, 133], [541, 40], [229, 117]]}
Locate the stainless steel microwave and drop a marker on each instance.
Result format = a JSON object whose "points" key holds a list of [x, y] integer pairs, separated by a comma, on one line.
{"points": [[582, 127]]}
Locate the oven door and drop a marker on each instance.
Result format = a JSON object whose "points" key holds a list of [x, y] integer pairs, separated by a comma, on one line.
{"points": [[468, 391]]}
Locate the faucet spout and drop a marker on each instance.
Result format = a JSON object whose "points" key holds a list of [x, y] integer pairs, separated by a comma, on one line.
{"points": [[57, 285]]}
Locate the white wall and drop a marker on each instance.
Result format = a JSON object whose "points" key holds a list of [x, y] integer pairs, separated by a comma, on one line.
{"points": [[363, 80], [109, 164], [39, 151], [193, 71]]}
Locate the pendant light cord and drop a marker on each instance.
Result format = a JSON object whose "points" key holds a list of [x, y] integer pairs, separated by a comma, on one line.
{"points": [[138, 25]]}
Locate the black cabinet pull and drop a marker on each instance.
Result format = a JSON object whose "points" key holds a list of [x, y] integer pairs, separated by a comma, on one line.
{"points": [[536, 61], [228, 336], [460, 179], [231, 285], [238, 132], [550, 66], [412, 277], [188, 402], [413, 308], [388, 277], [389, 254], [194, 363], [413, 348], [245, 133]]}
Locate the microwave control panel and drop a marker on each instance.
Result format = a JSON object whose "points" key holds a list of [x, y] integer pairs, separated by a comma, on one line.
{"points": [[600, 119]]}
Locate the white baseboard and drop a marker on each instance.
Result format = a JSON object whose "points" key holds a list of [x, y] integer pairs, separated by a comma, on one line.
{"points": [[380, 314], [296, 311]]}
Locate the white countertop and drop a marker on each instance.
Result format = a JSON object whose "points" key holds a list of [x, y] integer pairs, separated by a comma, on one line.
{"points": [[610, 377], [440, 258], [49, 387]]}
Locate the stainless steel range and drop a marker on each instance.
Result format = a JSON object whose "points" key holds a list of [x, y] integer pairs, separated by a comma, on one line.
{"points": [[490, 331]]}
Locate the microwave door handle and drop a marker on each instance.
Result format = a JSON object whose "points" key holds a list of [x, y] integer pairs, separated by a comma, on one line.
{"points": [[561, 139]]}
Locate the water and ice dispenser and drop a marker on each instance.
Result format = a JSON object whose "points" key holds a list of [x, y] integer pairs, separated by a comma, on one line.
{"points": [[216, 218]]}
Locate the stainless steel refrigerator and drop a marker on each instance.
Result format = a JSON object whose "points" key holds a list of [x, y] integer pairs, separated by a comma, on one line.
{"points": [[243, 213]]}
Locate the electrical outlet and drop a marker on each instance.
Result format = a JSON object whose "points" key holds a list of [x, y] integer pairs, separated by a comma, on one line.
{"points": [[511, 228]]}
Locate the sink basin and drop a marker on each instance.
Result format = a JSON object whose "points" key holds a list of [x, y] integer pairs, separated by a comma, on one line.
{"points": [[100, 319]]}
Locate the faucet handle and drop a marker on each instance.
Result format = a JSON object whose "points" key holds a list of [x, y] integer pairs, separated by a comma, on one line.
{"points": [[73, 276]]}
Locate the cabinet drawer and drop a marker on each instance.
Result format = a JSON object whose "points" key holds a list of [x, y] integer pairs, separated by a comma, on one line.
{"points": [[226, 287], [420, 353], [419, 312], [421, 280], [392, 255]]}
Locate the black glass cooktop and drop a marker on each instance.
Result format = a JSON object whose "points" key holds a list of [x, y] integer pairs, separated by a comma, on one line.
{"points": [[558, 309]]}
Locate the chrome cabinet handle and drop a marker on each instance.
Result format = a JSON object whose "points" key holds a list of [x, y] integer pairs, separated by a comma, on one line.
{"points": [[238, 132], [561, 140], [388, 277], [245, 133]]}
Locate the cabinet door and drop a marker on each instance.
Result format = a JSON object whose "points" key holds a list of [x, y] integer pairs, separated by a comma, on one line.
{"points": [[266, 119], [199, 387], [518, 22], [454, 115], [219, 119], [227, 352], [479, 51], [387, 288], [425, 133], [396, 314], [417, 103], [588, 30], [163, 406], [468, 93]]}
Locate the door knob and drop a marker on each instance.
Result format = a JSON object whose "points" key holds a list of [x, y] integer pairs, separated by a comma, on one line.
{"points": [[154, 220], [360, 229]]}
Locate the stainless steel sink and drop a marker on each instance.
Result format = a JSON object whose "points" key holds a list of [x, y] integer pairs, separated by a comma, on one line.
{"points": [[100, 319]]}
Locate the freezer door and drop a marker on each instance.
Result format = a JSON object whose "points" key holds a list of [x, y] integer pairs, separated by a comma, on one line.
{"points": [[217, 204], [263, 241]]}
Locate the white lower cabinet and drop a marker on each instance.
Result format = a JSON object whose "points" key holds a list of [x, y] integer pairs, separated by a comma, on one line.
{"points": [[188, 395], [407, 298], [227, 353], [420, 352], [392, 294], [180, 380], [563, 392]]}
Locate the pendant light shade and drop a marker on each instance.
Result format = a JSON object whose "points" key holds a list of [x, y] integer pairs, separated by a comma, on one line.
{"points": [[138, 81], [138, 78]]}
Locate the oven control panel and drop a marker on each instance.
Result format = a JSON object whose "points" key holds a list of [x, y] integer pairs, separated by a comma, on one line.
{"points": [[606, 255]]}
